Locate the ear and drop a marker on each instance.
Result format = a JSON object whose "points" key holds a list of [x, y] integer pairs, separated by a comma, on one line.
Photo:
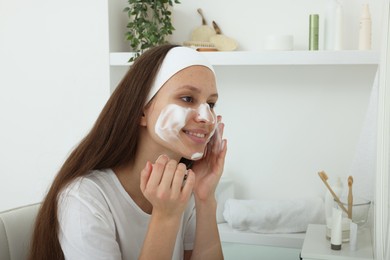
{"points": [[142, 121]]}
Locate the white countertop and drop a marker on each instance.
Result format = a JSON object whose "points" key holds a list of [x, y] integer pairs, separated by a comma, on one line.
{"points": [[230, 235], [317, 247]]}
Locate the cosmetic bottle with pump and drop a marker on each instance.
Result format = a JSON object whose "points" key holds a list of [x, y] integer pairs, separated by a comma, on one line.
{"points": [[365, 29]]}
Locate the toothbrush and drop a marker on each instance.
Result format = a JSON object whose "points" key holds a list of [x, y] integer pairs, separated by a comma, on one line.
{"points": [[350, 197], [324, 178]]}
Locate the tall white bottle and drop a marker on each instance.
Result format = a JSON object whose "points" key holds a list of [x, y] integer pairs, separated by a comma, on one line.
{"points": [[339, 27], [329, 204], [336, 233], [365, 29], [334, 26]]}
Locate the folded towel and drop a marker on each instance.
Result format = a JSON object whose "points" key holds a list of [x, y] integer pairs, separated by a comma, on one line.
{"points": [[274, 216]]}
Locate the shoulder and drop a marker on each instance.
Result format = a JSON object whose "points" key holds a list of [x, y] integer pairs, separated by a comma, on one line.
{"points": [[85, 219], [94, 182], [89, 190]]}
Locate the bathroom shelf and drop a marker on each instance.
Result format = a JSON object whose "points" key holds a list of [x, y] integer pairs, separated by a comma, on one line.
{"points": [[267, 58]]}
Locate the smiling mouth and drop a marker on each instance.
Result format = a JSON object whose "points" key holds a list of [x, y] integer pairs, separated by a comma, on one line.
{"points": [[199, 135]]}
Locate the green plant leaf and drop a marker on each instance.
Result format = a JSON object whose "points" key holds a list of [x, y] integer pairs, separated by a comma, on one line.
{"points": [[149, 23]]}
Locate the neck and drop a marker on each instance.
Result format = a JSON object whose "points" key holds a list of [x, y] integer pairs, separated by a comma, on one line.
{"points": [[129, 177], [129, 174]]}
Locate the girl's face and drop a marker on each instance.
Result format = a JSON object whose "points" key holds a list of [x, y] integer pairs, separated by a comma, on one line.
{"points": [[181, 116]]}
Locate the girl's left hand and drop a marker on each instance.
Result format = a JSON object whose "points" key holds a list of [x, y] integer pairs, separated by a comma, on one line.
{"points": [[208, 170]]}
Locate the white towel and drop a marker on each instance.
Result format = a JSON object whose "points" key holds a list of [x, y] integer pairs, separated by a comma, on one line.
{"points": [[274, 216]]}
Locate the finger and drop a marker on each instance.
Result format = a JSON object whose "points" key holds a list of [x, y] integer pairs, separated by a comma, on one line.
{"points": [[189, 184], [222, 156], [145, 174], [213, 146], [222, 128], [217, 145], [212, 137], [169, 172], [157, 171], [178, 179], [219, 119]]}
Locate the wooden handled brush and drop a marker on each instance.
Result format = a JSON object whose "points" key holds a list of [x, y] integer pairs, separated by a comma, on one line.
{"points": [[204, 32], [324, 178], [221, 41], [350, 197]]}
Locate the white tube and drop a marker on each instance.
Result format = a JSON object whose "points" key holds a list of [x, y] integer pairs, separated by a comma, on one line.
{"points": [[336, 234], [352, 236], [329, 205]]}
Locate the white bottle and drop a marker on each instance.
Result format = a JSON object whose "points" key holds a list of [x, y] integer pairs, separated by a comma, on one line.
{"points": [[336, 235], [329, 204], [334, 26], [352, 236], [365, 29], [339, 27]]}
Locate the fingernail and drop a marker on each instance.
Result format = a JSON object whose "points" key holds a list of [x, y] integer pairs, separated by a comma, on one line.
{"points": [[163, 157], [223, 144], [148, 165]]}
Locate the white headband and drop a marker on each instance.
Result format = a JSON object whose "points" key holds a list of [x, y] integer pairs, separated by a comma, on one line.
{"points": [[177, 58]]}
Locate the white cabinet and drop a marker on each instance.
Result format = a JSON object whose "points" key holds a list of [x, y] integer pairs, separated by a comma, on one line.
{"points": [[249, 245]]}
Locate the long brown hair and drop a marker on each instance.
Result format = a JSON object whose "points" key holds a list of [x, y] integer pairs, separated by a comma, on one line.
{"points": [[111, 142]]}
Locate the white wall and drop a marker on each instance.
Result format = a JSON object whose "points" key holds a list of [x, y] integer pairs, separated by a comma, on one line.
{"points": [[284, 123], [55, 76], [54, 81], [287, 123]]}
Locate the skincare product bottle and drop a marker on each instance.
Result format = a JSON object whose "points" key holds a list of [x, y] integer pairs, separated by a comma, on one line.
{"points": [[313, 32], [334, 26], [329, 204], [365, 29], [352, 236], [329, 25], [336, 234], [339, 27]]}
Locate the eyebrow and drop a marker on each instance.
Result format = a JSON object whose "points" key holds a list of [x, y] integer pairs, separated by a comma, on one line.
{"points": [[195, 89]]}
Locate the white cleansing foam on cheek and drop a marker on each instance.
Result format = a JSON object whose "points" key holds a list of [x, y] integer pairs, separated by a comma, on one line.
{"points": [[173, 118], [170, 122]]}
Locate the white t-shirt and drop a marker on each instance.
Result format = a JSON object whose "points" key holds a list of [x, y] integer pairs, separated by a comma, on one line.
{"points": [[99, 220]]}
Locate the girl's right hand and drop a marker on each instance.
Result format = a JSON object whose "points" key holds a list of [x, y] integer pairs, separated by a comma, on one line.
{"points": [[162, 185]]}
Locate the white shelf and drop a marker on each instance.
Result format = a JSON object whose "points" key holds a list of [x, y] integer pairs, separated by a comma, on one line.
{"points": [[229, 235], [266, 58]]}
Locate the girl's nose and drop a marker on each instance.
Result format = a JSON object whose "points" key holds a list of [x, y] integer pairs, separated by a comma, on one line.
{"points": [[204, 114]]}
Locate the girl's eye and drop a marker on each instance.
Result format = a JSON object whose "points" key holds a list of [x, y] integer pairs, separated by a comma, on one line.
{"points": [[187, 99]]}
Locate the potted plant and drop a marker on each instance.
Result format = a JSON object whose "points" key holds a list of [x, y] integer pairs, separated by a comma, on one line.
{"points": [[149, 23]]}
